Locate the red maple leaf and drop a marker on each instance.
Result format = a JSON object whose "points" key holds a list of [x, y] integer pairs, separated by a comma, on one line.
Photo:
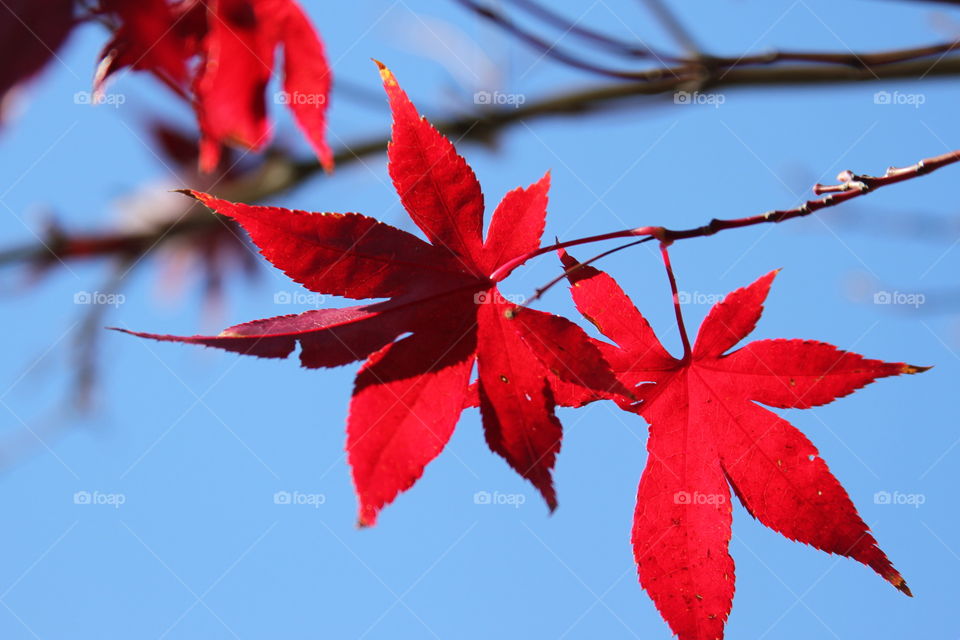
{"points": [[443, 313], [708, 433], [31, 33], [236, 42]]}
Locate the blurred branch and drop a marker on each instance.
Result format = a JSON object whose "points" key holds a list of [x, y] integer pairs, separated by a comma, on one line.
{"points": [[87, 337], [280, 173], [697, 62], [58, 246], [547, 48], [609, 43], [953, 2], [673, 26]]}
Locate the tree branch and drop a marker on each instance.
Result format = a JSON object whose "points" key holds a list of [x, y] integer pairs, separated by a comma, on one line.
{"points": [[279, 174], [850, 186]]}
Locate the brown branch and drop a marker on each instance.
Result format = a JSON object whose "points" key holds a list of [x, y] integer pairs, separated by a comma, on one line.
{"points": [[546, 48], [696, 62], [483, 126], [856, 60], [677, 30], [59, 246], [279, 174], [601, 40], [850, 185]]}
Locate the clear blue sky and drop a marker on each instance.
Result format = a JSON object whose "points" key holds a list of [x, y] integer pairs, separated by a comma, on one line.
{"points": [[198, 442]]}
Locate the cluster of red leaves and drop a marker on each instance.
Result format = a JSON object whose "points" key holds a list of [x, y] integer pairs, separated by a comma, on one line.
{"points": [[220, 54], [234, 43], [443, 313]]}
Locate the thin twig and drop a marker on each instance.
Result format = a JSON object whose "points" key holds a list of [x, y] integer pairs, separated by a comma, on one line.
{"points": [[604, 41], [568, 272], [549, 49], [850, 186], [674, 27], [676, 300]]}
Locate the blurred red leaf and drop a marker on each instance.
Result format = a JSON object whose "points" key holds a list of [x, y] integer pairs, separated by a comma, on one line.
{"points": [[223, 52], [152, 35], [31, 33]]}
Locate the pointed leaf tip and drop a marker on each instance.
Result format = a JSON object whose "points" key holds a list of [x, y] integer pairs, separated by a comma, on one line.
{"points": [[901, 585], [386, 75], [910, 369]]}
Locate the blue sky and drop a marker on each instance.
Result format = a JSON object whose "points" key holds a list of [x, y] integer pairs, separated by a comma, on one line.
{"points": [[196, 443]]}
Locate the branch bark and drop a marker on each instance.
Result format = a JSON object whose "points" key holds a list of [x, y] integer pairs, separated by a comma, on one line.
{"points": [[279, 174], [850, 185]]}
